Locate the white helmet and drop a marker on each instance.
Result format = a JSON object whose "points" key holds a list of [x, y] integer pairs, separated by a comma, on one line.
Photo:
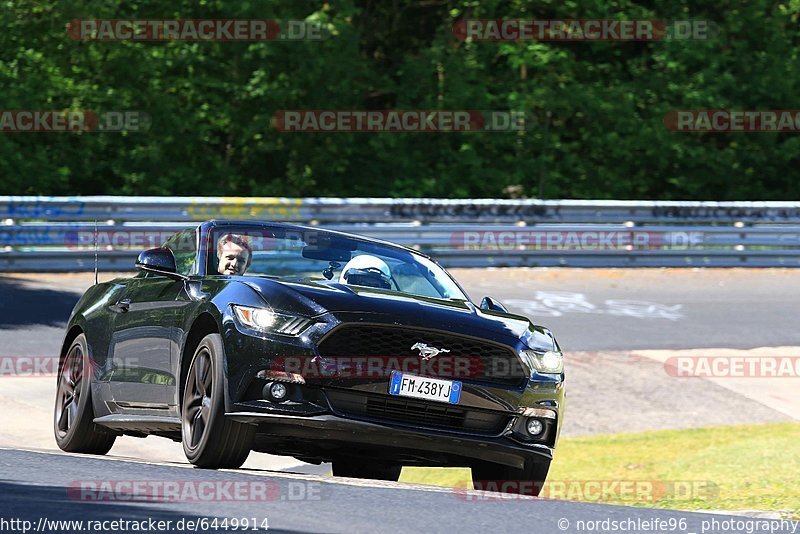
{"points": [[365, 262]]}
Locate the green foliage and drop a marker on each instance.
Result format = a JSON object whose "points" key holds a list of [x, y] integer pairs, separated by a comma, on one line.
{"points": [[599, 107]]}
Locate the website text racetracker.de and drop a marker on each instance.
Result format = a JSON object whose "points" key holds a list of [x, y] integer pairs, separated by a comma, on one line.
{"points": [[728, 120], [587, 30], [194, 491], [194, 30], [573, 239], [28, 366], [598, 490], [133, 239], [71, 121], [194, 524], [366, 366], [724, 366], [400, 120]]}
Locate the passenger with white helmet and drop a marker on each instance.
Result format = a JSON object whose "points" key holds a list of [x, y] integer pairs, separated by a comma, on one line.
{"points": [[367, 270]]}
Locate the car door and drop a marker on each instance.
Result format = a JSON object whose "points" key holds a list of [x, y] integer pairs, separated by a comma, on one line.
{"points": [[146, 315]]}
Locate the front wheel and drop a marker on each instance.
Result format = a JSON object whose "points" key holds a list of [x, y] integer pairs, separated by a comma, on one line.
{"points": [[529, 480], [73, 417], [211, 440]]}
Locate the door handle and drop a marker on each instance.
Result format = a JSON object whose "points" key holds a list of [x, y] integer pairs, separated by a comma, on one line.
{"points": [[124, 305]]}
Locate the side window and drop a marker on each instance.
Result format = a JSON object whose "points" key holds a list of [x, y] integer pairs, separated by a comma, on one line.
{"points": [[184, 247]]}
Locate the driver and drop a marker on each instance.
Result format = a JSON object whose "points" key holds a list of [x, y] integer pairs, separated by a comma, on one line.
{"points": [[234, 254], [367, 270]]}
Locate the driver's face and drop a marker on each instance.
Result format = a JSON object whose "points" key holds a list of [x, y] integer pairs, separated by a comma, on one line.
{"points": [[233, 259]]}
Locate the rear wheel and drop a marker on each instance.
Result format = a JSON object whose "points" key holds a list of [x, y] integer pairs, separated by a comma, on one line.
{"points": [[529, 480], [73, 417], [373, 470], [210, 439]]}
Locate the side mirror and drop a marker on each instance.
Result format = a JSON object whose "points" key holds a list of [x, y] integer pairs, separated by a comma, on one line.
{"points": [[160, 261], [488, 303]]}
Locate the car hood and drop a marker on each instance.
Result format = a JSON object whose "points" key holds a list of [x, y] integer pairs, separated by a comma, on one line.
{"points": [[311, 298]]}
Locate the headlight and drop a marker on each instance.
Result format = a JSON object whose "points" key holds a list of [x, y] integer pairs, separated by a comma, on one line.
{"points": [[551, 362], [267, 320]]}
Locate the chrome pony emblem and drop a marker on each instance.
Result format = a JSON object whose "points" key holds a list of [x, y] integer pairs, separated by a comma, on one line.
{"points": [[427, 352]]}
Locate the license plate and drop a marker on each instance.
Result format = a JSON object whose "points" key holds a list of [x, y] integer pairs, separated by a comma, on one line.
{"points": [[423, 387]]}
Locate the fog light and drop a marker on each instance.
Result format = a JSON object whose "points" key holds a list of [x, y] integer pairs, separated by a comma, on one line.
{"points": [[278, 391], [534, 427]]}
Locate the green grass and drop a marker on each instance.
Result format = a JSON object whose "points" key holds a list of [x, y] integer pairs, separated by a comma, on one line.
{"points": [[752, 467]]}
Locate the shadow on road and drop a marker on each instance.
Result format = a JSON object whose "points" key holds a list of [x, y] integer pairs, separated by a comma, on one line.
{"points": [[31, 503], [23, 306]]}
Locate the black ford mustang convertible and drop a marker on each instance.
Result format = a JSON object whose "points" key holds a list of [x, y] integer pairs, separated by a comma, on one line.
{"points": [[325, 346]]}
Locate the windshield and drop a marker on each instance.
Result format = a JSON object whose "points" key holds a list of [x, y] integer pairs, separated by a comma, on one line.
{"points": [[311, 255]]}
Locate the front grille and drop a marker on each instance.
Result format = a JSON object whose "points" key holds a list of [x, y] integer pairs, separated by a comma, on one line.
{"points": [[418, 412], [424, 413], [487, 361]]}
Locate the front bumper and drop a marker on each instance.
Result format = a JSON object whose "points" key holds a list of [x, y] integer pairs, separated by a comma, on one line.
{"points": [[327, 437], [316, 426]]}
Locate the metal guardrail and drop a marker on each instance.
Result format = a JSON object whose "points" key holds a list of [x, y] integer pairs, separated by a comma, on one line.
{"points": [[372, 210], [77, 235], [57, 233], [60, 261]]}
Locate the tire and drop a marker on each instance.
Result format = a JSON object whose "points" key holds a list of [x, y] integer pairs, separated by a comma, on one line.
{"points": [[373, 470], [497, 477], [73, 414], [210, 440]]}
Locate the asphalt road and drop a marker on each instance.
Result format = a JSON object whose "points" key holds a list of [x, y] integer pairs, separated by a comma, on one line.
{"points": [[36, 485], [593, 312], [588, 309], [624, 309]]}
